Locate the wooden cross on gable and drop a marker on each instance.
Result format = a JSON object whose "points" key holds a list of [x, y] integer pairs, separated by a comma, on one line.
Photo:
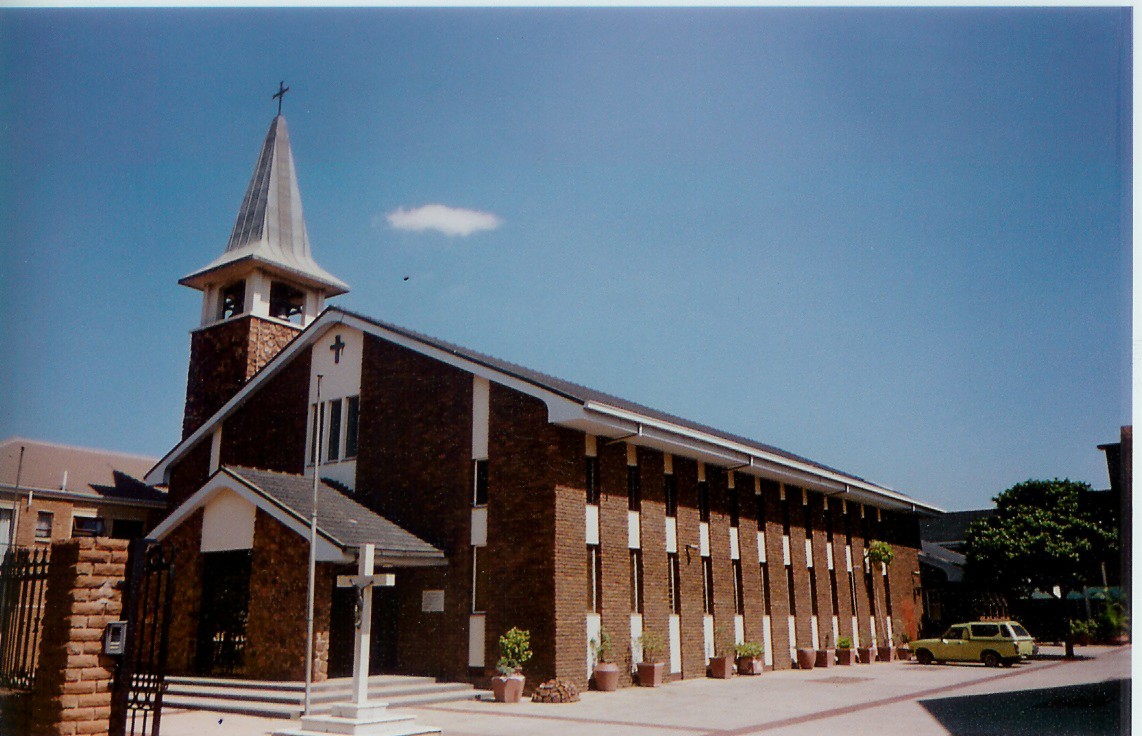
{"points": [[337, 347]]}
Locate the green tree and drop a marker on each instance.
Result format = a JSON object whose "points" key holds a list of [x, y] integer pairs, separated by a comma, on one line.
{"points": [[1040, 536]]}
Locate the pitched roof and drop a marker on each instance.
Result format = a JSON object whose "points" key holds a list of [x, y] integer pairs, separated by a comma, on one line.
{"points": [[339, 518], [581, 408], [270, 229], [76, 471]]}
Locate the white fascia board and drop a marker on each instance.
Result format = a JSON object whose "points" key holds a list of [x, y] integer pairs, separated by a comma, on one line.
{"points": [[559, 408], [760, 462], [327, 551]]}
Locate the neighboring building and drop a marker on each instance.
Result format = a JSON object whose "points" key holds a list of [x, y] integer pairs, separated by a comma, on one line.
{"points": [[51, 492], [500, 497], [1120, 468]]}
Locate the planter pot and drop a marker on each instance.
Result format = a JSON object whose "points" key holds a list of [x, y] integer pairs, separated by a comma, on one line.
{"points": [[904, 653], [507, 689], [806, 658], [884, 654], [866, 655], [750, 666], [825, 658], [721, 668], [650, 674], [846, 656], [606, 677]]}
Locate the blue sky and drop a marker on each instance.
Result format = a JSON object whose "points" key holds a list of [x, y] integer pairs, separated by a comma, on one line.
{"points": [[894, 241]]}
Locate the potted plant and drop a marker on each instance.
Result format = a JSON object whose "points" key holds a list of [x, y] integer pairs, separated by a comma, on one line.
{"points": [[806, 658], [866, 655], [515, 650], [650, 670], [606, 672], [721, 664], [879, 555], [750, 660], [846, 655], [826, 655], [904, 652]]}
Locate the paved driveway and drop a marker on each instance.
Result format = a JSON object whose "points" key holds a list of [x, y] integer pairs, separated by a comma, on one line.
{"points": [[1049, 696]]}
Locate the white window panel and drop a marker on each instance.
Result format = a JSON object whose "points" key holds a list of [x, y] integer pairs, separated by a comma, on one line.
{"points": [[761, 547], [635, 640], [671, 534], [829, 555], [856, 634], [592, 524], [708, 636], [814, 632], [848, 558], [739, 629], [674, 626], [704, 539], [634, 540], [735, 548], [767, 639], [808, 553], [785, 549], [479, 526], [594, 625], [476, 640]]}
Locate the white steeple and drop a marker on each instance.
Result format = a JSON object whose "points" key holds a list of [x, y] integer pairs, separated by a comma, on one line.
{"points": [[266, 269]]}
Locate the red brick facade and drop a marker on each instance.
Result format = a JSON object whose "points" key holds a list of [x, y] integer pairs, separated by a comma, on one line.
{"points": [[414, 466]]}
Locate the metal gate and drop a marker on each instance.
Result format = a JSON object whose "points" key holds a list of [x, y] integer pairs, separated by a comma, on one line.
{"points": [[140, 679], [23, 583]]}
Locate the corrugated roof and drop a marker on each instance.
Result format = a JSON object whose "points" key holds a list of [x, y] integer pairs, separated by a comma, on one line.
{"points": [[270, 228], [88, 471], [340, 518]]}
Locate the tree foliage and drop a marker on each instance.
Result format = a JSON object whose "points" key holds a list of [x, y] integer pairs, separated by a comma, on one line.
{"points": [[1041, 535]]}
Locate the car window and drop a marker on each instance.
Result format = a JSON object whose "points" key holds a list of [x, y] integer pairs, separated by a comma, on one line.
{"points": [[956, 632], [984, 630], [1005, 631], [1019, 630]]}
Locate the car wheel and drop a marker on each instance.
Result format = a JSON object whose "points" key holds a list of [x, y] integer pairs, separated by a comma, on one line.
{"points": [[924, 656], [990, 659]]}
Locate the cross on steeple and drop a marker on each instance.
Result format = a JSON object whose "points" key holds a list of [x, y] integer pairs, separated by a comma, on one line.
{"points": [[337, 346], [282, 89]]}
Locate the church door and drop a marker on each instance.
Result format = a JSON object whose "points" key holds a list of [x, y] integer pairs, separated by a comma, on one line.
{"points": [[223, 614]]}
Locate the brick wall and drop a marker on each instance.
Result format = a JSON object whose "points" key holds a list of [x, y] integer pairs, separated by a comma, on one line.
{"points": [[184, 542], [276, 627], [778, 585], [268, 431], [73, 680], [223, 358]]}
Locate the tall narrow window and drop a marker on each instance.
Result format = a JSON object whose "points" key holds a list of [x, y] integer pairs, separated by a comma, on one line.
{"points": [[707, 586], [739, 592], [480, 484], [315, 434], [594, 579], [735, 507], [479, 581], [44, 525], [703, 501], [674, 581], [765, 589], [593, 480], [334, 452], [634, 489], [352, 416], [636, 603], [670, 491]]}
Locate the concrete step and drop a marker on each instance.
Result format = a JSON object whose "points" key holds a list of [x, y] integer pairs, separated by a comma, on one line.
{"points": [[286, 699]]}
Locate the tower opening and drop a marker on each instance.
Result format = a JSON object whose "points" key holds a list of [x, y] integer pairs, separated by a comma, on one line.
{"points": [[233, 301], [286, 302]]}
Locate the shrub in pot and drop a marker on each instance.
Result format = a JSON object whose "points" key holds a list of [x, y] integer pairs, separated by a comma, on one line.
{"points": [[884, 654], [750, 660], [606, 672], [866, 655], [826, 655], [904, 652], [806, 658], [846, 655], [721, 664], [515, 650], [650, 670]]}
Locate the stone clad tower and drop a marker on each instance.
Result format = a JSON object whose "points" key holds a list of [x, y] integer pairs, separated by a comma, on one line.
{"points": [[262, 290]]}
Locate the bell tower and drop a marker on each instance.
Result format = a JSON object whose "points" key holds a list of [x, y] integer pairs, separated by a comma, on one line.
{"points": [[262, 290]]}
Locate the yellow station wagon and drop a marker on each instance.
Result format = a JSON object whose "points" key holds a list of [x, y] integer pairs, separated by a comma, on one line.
{"points": [[991, 642]]}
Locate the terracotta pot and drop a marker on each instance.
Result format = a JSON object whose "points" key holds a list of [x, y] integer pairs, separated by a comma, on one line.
{"points": [[884, 654], [507, 688], [903, 653], [846, 656], [866, 655], [806, 658], [721, 668], [750, 666], [650, 674], [607, 677], [825, 658]]}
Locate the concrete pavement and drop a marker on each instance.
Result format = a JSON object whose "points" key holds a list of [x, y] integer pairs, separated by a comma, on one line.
{"points": [[1048, 696]]}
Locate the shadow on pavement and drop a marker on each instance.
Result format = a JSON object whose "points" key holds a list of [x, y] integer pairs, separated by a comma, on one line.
{"points": [[1091, 709]]}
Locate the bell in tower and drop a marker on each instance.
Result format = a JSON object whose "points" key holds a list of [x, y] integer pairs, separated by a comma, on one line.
{"points": [[262, 290]]}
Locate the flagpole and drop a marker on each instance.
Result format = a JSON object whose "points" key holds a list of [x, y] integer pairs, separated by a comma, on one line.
{"points": [[317, 432]]}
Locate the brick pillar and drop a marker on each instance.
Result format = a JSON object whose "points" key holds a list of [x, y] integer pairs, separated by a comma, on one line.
{"points": [[73, 679]]}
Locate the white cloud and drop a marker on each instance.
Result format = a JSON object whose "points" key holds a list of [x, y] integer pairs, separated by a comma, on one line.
{"points": [[451, 221]]}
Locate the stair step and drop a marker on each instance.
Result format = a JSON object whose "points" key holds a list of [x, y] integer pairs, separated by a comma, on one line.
{"points": [[244, 707]]}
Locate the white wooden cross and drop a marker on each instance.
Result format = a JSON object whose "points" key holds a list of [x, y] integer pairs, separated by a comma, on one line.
{"points": [[363, 581]]}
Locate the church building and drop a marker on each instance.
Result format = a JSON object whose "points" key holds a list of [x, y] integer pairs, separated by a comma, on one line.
{"points": [[497, 496]]}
